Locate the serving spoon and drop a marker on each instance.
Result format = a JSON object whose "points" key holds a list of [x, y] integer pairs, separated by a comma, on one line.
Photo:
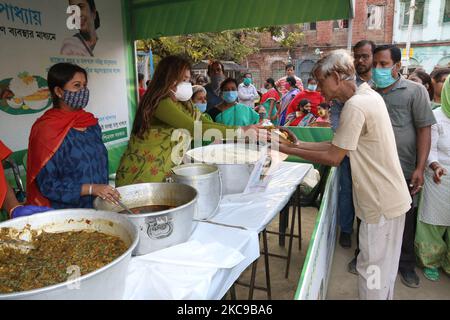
{"points": [[21, 245], [124, 207]]}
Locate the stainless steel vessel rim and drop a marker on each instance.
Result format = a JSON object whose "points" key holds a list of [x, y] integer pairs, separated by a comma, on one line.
{"points": [[158, 213], [189, 154], [196, 177], [86, 276]]}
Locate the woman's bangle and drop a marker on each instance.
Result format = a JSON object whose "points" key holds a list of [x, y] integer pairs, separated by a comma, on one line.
{"points": [[14, 208], [90, 189]]}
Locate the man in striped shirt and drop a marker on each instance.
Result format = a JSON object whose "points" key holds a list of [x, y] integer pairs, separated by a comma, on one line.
{"points": [[290, 72]]}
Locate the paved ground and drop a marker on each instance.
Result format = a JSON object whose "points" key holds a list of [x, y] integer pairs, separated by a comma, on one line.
{"points": [[282, 289], [342, 286]]}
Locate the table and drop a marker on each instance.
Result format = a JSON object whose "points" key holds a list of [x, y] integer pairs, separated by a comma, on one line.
{"points": [[150, 279]]}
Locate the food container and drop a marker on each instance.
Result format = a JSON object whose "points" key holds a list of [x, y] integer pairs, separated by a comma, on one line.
{"points": [[162, 229], [235, 161], [206, 180], [106, 283]]}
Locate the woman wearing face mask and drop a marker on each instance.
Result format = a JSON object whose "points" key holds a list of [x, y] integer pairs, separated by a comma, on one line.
{"points": [[324, 116], [310, 94], [164, 125], [67, 161], [303, 115], [230, 112], [270, 99], [292, 91], [199, 98]]}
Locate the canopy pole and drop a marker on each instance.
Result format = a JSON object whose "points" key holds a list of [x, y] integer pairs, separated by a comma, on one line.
{"points": [[412, 10], [350, 34]]}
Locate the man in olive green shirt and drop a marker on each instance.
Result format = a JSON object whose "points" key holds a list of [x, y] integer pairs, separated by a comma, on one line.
{"points": [[408, 105]]}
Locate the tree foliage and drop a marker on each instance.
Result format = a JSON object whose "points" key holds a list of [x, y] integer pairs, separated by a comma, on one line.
{"points": [[226, 45], [233, 45]]}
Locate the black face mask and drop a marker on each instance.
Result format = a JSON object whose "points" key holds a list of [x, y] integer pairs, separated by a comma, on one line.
{"points": [[305, 111]]}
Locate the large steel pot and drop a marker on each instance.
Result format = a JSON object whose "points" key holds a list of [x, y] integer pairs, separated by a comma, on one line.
{"points": [[235, 176], [206, 180], [162, 229], [106, 283]]}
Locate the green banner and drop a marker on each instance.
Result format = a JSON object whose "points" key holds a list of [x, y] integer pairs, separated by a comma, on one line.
{"points": [[113, 135], [307, 134]]}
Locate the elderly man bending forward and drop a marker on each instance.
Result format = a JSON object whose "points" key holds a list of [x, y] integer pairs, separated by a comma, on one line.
{"points": [[380, 193]]}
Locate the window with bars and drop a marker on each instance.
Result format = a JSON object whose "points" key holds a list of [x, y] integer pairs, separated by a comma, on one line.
{"points": [[375, 17], [446, 17], [278, 70], [340, 24], [311, 26], [256, 75], [418, 15]]}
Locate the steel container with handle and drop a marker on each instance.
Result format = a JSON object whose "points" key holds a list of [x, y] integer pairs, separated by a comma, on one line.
{"points": [[162, 229], [206, 180]]}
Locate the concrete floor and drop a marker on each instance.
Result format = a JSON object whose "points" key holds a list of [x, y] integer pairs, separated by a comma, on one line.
{"points": [[282, 289], [342, 286]]}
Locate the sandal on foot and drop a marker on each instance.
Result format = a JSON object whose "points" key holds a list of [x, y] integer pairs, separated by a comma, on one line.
{"points": [[431, 274]]}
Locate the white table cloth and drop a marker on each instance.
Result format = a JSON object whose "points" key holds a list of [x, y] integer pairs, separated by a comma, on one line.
{"points": [[160, 276]]}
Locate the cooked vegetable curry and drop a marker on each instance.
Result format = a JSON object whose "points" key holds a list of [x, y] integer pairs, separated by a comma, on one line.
{"points": [[54, 256]]}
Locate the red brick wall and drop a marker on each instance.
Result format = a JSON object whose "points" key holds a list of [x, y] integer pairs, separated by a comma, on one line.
{"points": [[326, 38]]}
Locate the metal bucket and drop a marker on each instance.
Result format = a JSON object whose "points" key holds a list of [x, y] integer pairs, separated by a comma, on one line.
{"points": [[206, 180], [162, 229], [106, 283]]}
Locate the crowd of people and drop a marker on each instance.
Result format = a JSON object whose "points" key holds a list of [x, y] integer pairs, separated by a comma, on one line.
{"points": [[391, 143], [418, 122]]}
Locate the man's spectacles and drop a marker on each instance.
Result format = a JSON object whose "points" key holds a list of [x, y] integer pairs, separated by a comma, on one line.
{"points": [[361, 56]]}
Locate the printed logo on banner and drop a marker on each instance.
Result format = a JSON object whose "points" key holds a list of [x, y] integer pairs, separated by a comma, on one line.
{"points": [[74, 19], [40, 34]]}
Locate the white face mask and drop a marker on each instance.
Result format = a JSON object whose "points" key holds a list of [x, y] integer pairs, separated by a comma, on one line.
{"points": [[184, 91]]}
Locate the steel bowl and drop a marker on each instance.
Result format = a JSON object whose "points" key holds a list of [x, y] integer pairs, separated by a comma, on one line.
{"points": [[106, 283], [162, 229], [235, 176]]}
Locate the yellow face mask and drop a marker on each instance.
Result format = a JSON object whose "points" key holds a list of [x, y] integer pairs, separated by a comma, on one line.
{"points": [[322, 113]]}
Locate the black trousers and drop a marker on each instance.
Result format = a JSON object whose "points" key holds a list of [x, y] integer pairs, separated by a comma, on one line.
{"points": [[408, 255]]}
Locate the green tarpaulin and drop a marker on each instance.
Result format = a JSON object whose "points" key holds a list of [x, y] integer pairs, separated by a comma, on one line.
{"points": [[158, 18]]}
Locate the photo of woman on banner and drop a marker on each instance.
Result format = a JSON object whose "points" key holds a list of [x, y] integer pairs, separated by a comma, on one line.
{"points": [[84, 42]]}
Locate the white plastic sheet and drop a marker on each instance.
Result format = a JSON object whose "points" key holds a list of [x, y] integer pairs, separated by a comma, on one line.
{"points": [[255, 211], [171, 274], [157, 276]]}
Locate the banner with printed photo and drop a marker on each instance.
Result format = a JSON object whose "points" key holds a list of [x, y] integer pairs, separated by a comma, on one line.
{"points": [[35, 35]]}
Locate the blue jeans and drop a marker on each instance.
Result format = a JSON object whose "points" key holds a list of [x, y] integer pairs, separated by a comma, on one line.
{"points": [[346, 208]]}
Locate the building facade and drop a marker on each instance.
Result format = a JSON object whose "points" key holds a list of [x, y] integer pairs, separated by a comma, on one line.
{"points": [[373, 20], [430, 35]]}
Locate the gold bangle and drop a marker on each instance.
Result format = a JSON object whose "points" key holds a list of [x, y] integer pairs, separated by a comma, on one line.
{"points": [[10, 211]]}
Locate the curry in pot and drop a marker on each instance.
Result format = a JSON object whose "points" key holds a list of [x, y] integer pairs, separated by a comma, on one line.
{"points": [[54, 257]]}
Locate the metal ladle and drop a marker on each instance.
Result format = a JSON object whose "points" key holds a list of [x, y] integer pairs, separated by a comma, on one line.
{"points": [[125, 207], [21, 245]]}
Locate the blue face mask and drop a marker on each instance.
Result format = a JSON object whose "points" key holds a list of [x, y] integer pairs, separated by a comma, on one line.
{"points": [[247, 81], [312, 87], [201, 106], [78, 99], [230, 96], [383, 77]]}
